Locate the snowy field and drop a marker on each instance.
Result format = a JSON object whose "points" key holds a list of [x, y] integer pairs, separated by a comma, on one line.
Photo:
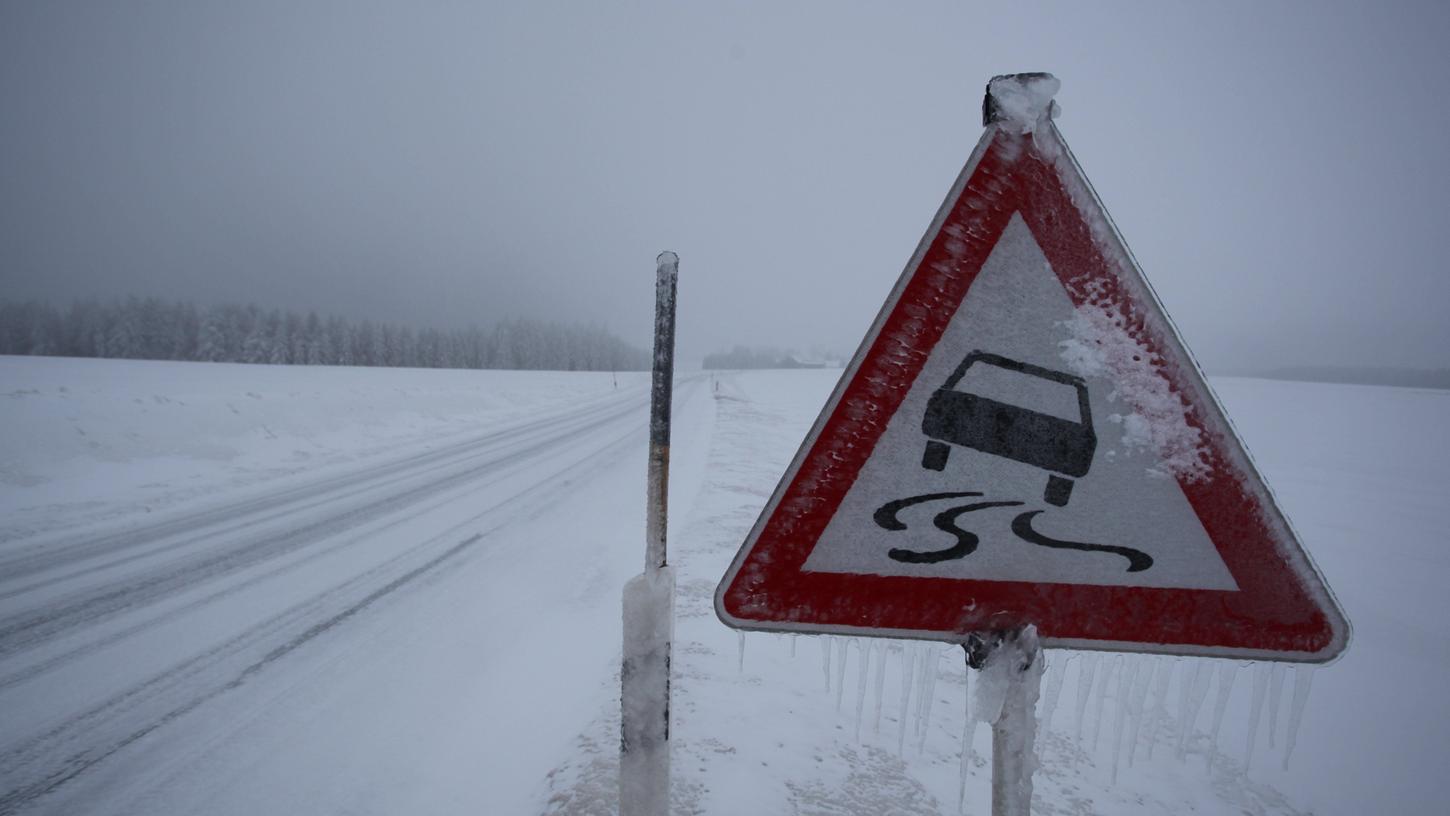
{"points": [[248, 589]]}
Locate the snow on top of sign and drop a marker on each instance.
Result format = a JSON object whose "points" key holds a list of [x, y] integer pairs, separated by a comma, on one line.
{"points": [[1103, 346], [1024, 101]]}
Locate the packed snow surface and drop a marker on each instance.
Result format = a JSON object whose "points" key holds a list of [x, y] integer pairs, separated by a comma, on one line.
{"points": [[252, 589]]}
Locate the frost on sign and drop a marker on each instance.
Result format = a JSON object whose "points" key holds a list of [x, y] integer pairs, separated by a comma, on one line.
{"points": [[1005, 464], [1023, 439]]}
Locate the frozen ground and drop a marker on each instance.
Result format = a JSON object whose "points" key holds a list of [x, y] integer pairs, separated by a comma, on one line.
{"points": [[247, 589]]}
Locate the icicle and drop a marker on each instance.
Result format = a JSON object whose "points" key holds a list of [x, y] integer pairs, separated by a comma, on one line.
{"points": [[923, 688], [1198, 689], [969, 727], [843, 649], [919, 691], [1185, 683], [1085, 670], [1227, 673], [1126, 678], [1056, 669], [991, 691], [918, 673], [908, 669], [866, 647], [792, 645], [881, 684], [1160, 699], [1115, 668], [826, 661], [1261, 685], [1138, 705], [742, 651], [1276, 690], [929, 694], [1303, 677]]}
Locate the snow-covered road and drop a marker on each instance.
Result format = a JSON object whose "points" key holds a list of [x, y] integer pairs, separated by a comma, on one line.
{"points": [[123, 645]]}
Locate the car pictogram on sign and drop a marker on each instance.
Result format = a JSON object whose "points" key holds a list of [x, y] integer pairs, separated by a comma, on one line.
{"points": [[1054, 432]]}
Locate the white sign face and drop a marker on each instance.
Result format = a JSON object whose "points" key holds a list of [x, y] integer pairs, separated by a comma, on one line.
{"points": [[1007, 462]]}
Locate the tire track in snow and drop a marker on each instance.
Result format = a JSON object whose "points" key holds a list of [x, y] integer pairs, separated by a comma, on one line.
{"points": [[48, 556], [40, 624], [229, 589]]}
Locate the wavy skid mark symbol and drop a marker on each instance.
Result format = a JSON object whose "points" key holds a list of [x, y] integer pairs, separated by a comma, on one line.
{"points": [[885, 516], [946, 521], [1022, 526]]}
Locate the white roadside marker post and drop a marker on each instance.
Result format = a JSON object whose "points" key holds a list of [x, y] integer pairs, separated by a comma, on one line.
{"points": [[649, 598]]}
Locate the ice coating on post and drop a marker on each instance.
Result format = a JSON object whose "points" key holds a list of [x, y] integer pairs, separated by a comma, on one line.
{"points": [[1013, 676], [649, 599], [968, 728], [644, 745], [666, 274]]}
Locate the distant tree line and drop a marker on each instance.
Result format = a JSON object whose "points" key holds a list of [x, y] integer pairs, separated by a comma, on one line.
{"points": [[744, 357], [155, 329], [1363, 375]]}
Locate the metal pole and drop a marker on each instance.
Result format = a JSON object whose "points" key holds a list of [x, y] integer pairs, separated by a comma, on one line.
{"points": [[1017, 654], [649, 598], [667, 272]]}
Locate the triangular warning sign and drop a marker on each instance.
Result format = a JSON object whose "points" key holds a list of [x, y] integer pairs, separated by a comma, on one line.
{"points": [[1023, 438]]}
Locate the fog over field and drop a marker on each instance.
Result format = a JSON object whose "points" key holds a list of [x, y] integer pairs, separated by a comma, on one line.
{"points": [[1276, 167]]}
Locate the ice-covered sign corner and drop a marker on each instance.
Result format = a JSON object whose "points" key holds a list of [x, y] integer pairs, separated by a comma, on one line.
{"points": [[1020, 102]]}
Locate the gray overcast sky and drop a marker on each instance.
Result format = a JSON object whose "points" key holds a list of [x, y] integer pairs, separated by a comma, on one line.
{"points": [[1279, 169]]}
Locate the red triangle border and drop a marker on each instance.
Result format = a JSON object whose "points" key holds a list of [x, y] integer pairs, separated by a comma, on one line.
{"points": [[1281, 610]]}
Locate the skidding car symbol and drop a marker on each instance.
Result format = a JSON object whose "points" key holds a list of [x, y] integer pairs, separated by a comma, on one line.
{"points": [[1062, 446]]}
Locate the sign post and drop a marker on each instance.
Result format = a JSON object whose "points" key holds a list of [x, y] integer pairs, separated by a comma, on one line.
{"points": [[649, 598], [1012, 661], [1024, 444]]}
